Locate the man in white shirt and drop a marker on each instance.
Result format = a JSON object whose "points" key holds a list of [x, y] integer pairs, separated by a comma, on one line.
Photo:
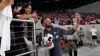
{"points": [[93, 32], [5, 20]]}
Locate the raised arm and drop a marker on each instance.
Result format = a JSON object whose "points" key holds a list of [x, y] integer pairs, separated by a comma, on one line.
{"points": [[75, 26], [67, 32], [3, 4], [25, 16], [5, 1]]}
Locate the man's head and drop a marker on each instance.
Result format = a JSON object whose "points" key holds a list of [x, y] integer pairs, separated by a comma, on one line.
{"points": [[77, 15], [18, 7], [27, 7], [81, 28], [11, 2], [93, 26], [46, 22]]}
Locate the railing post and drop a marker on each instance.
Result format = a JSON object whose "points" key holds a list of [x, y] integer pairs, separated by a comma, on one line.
{"points": [[34, 27], [33, 37]]}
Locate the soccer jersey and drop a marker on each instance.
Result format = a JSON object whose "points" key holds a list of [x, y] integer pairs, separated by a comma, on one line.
{"points": [[56, 32]]}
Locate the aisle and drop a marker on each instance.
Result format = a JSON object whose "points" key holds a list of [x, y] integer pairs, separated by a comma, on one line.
{"points": [[87, 51]]}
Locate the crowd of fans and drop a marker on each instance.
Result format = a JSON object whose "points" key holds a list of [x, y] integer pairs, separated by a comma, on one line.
{"points": [[63, 17], [66, 18]]}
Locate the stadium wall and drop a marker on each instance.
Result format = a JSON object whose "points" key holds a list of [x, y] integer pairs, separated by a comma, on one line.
{"points": [[86, 30], [92, 8]]}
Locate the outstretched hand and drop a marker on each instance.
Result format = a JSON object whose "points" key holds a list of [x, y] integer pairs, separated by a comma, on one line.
{"points": [[35, 16]]}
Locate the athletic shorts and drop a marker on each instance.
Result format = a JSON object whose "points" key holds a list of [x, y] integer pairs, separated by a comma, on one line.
{"points": [[94, 37]]}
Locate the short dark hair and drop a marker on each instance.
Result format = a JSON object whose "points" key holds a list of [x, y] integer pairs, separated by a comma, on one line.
{"points": [[42, 20], [81, 28], [23, 8], [18, 5]]}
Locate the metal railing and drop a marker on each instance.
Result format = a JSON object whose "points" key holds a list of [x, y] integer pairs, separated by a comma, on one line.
{"points": [[26, 53], [33, 36]]}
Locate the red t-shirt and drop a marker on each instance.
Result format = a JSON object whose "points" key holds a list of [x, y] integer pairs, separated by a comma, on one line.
{"points": [[62, 43], [83, 22]]}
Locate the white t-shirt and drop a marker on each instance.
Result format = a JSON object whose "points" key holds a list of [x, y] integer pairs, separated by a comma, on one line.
{"points": [[46, 39], [7, 11], [72, 37], [5, 20], [93, 31]]}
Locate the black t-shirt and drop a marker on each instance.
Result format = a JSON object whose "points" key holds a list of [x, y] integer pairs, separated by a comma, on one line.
{"points": [[15, 25], [20, 26], [56, 32]]}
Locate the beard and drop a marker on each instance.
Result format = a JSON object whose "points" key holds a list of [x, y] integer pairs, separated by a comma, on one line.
{"points": [[48, 26]]}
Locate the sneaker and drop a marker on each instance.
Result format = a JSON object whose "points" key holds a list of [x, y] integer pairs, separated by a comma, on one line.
{"points": [[96, 43], [92, 43]]}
